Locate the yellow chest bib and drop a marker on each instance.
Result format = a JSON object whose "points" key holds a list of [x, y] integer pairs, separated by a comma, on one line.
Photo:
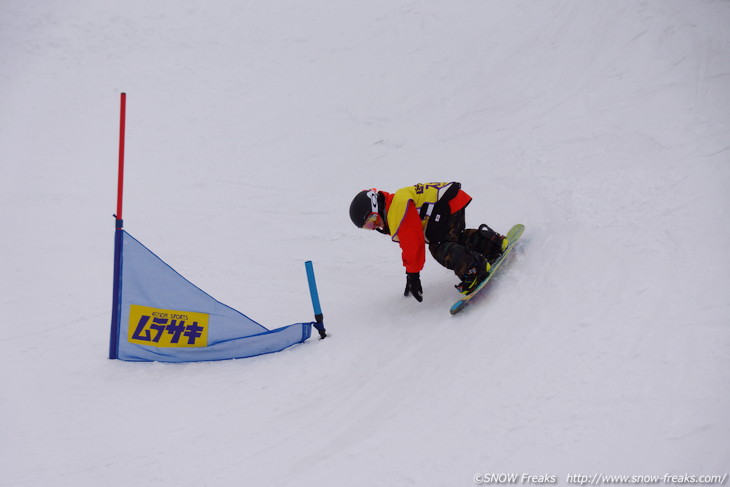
{"points": [[424, 196]]}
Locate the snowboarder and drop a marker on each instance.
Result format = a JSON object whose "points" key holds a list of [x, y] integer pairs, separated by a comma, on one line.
{"points": [[433, 214]]}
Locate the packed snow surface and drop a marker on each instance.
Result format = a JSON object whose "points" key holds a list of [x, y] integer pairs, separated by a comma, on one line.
{"points": [[603, 347]]}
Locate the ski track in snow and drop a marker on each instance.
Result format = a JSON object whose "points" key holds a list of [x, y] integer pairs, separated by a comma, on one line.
{"points": [[601, 347]]}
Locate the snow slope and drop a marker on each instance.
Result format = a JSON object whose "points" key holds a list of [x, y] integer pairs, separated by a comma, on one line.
{"points": [[604, 127]]}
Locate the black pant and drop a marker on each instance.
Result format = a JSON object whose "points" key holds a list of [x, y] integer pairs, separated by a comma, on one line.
{"points": [[460, 248]]}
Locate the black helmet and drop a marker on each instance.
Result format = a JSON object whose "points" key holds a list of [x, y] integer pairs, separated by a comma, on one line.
{"points": [[363, 205]]}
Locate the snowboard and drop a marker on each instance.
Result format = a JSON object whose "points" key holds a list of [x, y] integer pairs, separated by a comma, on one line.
{"points": [[513, 236]]}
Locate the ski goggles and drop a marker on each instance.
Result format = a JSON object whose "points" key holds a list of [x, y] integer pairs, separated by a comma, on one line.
{"points": [[374, 222]]}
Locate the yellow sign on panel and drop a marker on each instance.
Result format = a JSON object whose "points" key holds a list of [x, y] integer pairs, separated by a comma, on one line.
{"points": [[167, 327]]}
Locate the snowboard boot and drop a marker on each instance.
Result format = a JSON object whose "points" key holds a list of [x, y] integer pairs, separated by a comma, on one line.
{"points": [[496, 243], [473, 277]]}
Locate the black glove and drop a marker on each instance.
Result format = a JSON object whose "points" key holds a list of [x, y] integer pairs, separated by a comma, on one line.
{"points": [[413, 286]]}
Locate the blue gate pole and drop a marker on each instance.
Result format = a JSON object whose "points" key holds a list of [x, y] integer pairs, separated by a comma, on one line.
{"points": [[318, 317]]}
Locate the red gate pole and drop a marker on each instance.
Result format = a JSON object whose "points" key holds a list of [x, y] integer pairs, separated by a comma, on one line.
{"points": [[120, 180], [118, 239]]}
